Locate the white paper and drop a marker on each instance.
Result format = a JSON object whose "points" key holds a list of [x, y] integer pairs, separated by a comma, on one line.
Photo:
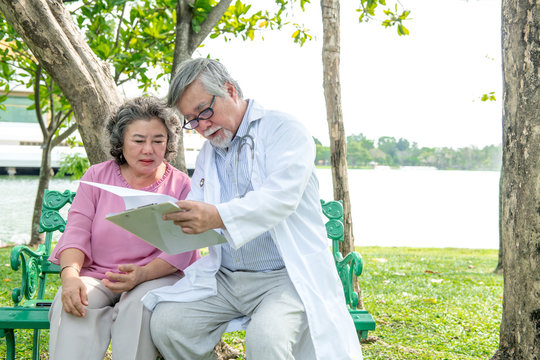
{"points": [[142, 218], [134, 198]]}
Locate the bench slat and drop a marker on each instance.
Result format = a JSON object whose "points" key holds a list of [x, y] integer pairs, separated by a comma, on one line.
{"points": [[24, 318]]}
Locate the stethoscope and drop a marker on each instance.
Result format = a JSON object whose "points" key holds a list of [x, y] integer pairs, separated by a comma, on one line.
{"points": [[246, 140]]}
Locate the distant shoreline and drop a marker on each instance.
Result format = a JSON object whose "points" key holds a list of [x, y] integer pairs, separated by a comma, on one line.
{"points": [[428, 168]]}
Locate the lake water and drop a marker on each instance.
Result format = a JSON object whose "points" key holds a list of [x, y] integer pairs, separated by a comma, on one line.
{"points": [[408, 207]]}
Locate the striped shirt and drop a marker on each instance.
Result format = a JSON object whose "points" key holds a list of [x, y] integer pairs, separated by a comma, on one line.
{"points": [[259, 254]]}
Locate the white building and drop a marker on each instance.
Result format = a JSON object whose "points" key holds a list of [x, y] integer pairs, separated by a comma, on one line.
{"points": [[21, 140]]}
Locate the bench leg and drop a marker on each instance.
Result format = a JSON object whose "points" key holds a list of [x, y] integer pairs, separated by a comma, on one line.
{"points": [[10, 343], [362, 334], [35, 349]]}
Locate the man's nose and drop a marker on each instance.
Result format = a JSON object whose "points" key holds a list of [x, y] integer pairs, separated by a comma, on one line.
{"points": [[204, 124]]}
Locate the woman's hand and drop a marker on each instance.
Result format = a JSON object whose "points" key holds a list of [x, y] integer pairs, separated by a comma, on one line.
{"points": [[74, 296], [130, 276]]}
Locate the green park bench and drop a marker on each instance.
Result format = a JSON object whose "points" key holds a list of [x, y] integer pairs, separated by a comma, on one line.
{"points": [[347, 267], [31, 309], [33, 312]]}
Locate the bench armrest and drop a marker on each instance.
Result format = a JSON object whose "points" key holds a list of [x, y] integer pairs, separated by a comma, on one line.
{"points": [[347, 268], [34, 263], [30, 263]]}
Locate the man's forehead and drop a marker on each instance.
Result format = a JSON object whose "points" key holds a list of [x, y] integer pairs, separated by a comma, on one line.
{"points": [[194, 97]]}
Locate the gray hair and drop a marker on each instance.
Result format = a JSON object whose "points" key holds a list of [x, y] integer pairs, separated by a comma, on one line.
{"points": [[211, 73], [142, 108]]}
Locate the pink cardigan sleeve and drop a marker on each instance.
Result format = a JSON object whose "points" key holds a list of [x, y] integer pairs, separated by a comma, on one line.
{"points": [[104, 244], [78, 231]]}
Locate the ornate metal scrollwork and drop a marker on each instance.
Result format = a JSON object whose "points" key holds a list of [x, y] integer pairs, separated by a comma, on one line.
{"points": [[332, 209], [55, 200], [33, 262], [51, 220], [29, 262], [352, 263], [335, 229], [32, 274]]}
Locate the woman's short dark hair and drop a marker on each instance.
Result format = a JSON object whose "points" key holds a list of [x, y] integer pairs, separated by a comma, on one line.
{"points": [[142, 108]]}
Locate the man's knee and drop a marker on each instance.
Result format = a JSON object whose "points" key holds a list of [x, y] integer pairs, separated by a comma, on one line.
{"points": [[161, 322], [268, 344], [269, 335]]}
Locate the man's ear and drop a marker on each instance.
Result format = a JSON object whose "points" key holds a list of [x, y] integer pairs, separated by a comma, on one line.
{"points": [[231, 90]]}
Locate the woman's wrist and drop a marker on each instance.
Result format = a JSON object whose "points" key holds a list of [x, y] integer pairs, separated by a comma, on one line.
{"points": [[70, 269]]}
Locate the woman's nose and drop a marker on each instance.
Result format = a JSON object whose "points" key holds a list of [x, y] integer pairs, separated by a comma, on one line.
{"points": [[147, 148]]}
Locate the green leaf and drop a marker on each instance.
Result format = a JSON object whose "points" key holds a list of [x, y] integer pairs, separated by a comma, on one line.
{"points": [[196, 26], [488, 97], [402, 30], [361, 17]]}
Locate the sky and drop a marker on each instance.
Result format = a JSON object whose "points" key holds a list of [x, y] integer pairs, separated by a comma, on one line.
{"points": [[425, 87]]}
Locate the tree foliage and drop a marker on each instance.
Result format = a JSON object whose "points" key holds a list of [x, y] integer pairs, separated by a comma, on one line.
{"points": [[135, 40], [53, 112], [394, 15]]}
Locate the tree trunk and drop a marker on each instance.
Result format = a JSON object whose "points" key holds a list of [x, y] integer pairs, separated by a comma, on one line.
{"points": [[48, 30], [338, 145], [499, 268], [183, 30], [520, 189], [332, 94], [45, 173], [186, 42]]}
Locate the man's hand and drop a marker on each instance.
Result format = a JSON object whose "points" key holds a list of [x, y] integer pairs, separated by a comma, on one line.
{"points": [[130, 276], [74, 296], [196, 217]]}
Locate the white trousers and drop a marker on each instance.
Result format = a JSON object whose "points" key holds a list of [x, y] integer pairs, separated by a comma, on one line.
{"points": [[121, 318], [189, 331]]}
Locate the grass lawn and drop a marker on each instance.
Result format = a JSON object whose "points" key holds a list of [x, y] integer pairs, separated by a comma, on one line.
{"points": [[428, 304], [432, 303]]}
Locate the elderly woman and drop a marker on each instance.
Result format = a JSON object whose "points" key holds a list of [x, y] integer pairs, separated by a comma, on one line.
{"points": [[105, 270]]}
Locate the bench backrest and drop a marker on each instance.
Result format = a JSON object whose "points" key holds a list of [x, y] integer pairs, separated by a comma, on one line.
{"points": [[34, 263], [347, 266]]}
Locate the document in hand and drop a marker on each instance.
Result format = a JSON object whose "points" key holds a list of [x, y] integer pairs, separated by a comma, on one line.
{"points": [[142, 218]]}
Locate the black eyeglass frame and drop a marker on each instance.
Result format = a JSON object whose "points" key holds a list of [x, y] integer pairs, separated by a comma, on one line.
{"points": [[194, 123]]}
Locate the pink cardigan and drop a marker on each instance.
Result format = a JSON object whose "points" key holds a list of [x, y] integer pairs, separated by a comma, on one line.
{"points": [[105, 244]]}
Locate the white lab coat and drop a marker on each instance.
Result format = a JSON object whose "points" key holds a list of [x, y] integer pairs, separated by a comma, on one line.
{"points": [[284, 201]]}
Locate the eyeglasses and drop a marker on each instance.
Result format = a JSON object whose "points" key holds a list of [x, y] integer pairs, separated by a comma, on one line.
{"points": [[203, 115]]}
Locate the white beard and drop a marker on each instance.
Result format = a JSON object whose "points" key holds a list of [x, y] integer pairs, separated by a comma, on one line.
{"points": [[220, 141]]}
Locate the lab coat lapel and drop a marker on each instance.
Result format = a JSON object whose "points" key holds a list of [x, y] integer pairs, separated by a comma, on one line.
{"points": [[211, 182], [256, 113]]}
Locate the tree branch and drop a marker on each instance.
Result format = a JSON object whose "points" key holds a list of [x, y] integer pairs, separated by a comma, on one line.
{"points": [[54, 120], [206, 27], [119, 26], [63, 136], [37, 106], [117, 40]]}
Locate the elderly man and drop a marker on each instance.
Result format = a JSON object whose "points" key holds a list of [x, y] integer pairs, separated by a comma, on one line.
{"points": [[254, 179]]}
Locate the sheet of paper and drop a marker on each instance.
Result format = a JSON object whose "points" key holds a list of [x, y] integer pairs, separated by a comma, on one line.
{"points": [[134, 198], [146, 223]]}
